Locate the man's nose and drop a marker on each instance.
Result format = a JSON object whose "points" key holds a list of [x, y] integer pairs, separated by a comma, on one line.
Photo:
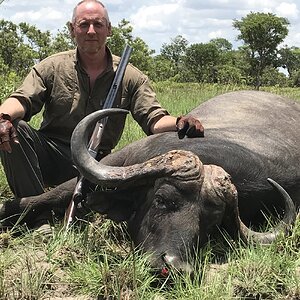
{"points": [[91, 29]]}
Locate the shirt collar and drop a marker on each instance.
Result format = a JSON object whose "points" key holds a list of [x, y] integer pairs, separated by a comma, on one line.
{"points": [[109, 55]]}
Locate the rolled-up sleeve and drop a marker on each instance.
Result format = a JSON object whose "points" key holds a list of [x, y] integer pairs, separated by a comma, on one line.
{"points": [[144, 105], [31, 93]]}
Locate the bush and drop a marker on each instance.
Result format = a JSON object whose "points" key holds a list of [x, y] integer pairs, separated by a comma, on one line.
{"points": [[228, 74], [272, 77], [8, 83], [295, 78]]}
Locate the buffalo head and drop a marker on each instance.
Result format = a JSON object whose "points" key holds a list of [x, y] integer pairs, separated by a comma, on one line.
{"points": [[172, 202]]}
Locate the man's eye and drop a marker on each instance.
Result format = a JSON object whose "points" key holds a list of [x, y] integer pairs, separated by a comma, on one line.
{"points": [[84, 25], [98, 24]]}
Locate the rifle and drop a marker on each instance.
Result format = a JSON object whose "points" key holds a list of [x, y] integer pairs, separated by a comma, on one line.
{"points": [[94, 142]]}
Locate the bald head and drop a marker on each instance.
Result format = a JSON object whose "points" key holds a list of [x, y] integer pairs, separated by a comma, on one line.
{"points": [[91, 2]]}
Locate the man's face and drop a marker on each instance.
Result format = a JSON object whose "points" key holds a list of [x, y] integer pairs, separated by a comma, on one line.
{"points": [[91, 27]]}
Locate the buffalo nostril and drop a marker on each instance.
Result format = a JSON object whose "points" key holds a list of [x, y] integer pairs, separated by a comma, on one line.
{"points": [[168, 259], [176, 263]]}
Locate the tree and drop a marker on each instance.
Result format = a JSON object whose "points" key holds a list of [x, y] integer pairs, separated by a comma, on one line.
{"points": [[175, 52], [290, 59], [16, 55], [40, 42], [227, 72], [295, 78], [122, 35], [162, 69], [262, 33], [201, 61], [23, 45], [9, 42], [222, 44], [272, 77], [62, 40]]}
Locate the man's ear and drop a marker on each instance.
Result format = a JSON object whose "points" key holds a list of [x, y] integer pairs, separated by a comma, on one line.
{"points": [[109, 29], [71, 29]]}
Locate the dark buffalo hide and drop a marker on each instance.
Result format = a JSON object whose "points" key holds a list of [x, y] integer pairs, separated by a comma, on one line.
{"points": [[251, 135], [174, 192]]}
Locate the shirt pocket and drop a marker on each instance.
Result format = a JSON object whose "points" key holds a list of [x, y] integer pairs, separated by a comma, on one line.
{"points": [[64, 98]]}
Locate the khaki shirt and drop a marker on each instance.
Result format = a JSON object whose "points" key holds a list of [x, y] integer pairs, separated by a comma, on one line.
{"points": [[61, 86]]}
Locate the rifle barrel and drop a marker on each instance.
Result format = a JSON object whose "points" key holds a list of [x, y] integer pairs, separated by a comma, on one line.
{"points": [[94, 143], [118, 78]]}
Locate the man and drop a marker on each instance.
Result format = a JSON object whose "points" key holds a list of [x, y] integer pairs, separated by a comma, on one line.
{"points": [[68, 86]]}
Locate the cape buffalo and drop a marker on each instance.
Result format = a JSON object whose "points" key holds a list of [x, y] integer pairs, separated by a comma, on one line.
{"points": [[175, 192], [173, 199]]}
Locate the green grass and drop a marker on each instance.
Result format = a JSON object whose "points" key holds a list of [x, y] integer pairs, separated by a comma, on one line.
{"points": [[98, 261]]}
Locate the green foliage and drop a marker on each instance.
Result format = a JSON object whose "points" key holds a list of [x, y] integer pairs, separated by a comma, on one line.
{"points": [[141, 56], [295, 78], [272, 77], [162, 69], [38, 41], [62, 41], [9, 43], [122, 35], [222, 44], [8, 84], [201, 60], [24, 44], [290, 59], [241, 59], [229, 74], [262, 33], [3, 67], [175, 52]]}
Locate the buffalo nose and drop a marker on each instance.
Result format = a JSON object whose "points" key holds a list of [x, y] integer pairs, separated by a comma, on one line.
{"points": [[176, 263]]}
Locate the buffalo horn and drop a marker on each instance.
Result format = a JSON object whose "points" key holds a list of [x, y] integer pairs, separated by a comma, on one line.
{"points": [[183, 165], [266, 238]]}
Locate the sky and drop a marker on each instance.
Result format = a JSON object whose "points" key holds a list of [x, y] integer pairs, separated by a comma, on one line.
{"points": [[157, 22]]}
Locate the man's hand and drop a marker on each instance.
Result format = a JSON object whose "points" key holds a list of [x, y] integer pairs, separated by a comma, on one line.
{"points": [[8, 133], [189, 126]]}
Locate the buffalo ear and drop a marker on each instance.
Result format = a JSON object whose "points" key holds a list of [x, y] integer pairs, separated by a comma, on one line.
{"points": [[116, 205], [231, 221], [220, 199]]}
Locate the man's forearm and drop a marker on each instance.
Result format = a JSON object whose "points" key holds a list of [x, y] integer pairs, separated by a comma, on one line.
{"points": [[162, 124], [13, 107], [184, 125]]}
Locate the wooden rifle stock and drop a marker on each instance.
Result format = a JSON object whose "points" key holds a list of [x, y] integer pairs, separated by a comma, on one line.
{"points": [[94, 143]]}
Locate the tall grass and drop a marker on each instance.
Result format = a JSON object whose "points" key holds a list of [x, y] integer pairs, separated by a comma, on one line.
{"points": [[97, 260]]}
